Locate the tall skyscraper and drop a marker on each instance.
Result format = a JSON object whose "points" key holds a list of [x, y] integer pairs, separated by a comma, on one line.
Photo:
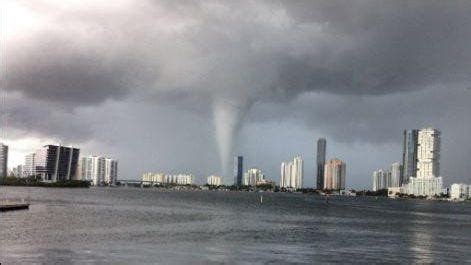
{"points": [[427, 181], [409, 155], [3, 160], [335, 173], [321, 151], [292, 174], [428, 154], [57, 163], [238, 170]]}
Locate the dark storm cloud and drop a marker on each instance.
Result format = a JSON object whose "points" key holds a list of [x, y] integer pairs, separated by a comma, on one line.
{"points": [[272, 50], [356, 71]]}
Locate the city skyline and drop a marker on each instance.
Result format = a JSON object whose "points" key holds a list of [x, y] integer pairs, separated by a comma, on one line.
{"points": [[211, 80]]}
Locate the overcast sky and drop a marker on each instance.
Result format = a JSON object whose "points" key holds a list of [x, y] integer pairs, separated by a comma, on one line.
{"points": [[182, 86]]}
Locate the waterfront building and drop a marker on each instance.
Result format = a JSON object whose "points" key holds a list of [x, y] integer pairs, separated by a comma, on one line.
{"points": [[3, 160], [381, 179], [214, 180], [252, 176], [180, 179], [56, 163], [427, 181], [321, 153], [111, 171], [238, 170], [30, 165], [460, 191], [153, 177], [160, 178], [292, 174], [93, 169], [335, 174], [409, 155], [396, 175], [99, 170]]}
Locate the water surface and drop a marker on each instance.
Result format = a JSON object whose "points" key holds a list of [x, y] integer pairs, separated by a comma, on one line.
{"points": [[145, 226]]}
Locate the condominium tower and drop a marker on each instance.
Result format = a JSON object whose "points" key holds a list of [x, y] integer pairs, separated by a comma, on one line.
{"points": [[334, 177], [56, 163], [99, 170], [292, 174]]}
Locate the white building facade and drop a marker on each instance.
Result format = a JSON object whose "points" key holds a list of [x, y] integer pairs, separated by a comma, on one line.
{"points": [[161, 178], [428, 181], [99, 170], [292, 174], [460, 191], [252, 176], [214, 180]]}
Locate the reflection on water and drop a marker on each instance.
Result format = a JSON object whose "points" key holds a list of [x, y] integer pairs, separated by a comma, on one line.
{"points": [[129, 226]]}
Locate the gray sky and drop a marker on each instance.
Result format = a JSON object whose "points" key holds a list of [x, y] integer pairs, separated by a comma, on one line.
{"points": [[179, 86]]}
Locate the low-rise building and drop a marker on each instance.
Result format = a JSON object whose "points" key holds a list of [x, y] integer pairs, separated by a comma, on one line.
{"points": [[460, 191], [214, 180]]}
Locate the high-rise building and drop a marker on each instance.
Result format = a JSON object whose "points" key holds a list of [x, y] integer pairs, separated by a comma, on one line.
{"points": [[3, 160], [214, 180], [252, 176], [396, 175], [57, 163], [30, 165], [427, 181], [93, 169], [409, 155], [335, 173], [111, 171], [292, 174], [321, 152], [238, 170], [381, 179], [428, 154], [99, 170]]}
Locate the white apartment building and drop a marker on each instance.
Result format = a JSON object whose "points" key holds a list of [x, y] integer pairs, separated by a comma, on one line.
{"points": [[292, 174], [252, 176], [111, 171], [460, 191], [99, 170], [160, 178], [381, 179], [29, 168], [396, 173], [214, 180], [428, 181]]}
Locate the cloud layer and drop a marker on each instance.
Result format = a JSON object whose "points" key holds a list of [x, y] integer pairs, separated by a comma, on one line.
{"points": [[355, 71]]}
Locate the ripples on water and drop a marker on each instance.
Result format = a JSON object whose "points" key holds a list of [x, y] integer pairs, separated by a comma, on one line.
{"points": [[129, 226]]}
